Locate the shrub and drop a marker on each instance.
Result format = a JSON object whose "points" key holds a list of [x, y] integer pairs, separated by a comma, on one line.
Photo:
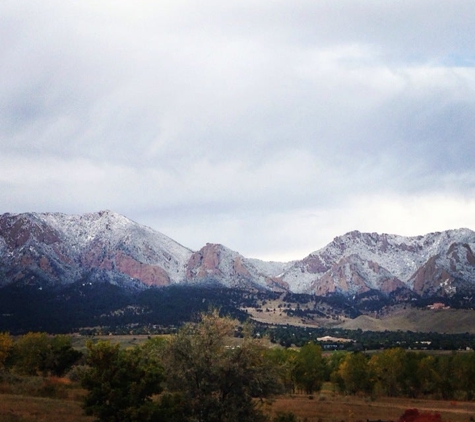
{"points": [[285, 417]]}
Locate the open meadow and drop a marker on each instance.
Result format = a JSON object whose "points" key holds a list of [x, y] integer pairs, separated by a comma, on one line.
{"points": [[323, 407], [18, 408], [335, 408]]}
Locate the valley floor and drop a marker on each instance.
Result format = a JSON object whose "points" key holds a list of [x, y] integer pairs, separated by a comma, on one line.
{"points": [[395, 318], [336, 408], [323, 407]]}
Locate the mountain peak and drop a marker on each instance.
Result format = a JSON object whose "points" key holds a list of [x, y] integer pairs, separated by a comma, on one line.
{"points": [[56, 249], [362, 261]]}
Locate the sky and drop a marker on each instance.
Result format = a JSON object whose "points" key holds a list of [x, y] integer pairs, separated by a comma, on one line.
{"points": [[268, 126]]}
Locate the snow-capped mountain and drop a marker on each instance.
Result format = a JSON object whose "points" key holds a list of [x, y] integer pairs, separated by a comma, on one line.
{"points": [[215, 262], [358, 262], [53, 249], [57, 249]]}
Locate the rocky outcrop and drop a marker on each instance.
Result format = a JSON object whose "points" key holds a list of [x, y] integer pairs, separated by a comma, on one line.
{"points": [[355, 263], [205, 263], [217, 264], [54, 249]]}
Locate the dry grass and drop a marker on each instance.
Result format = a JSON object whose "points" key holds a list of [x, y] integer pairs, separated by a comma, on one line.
{"points": [[405, 318], [125, 340], [335, 408], [270, 313], [33, 398], [423, 320], [323, 407], [17, 408]]}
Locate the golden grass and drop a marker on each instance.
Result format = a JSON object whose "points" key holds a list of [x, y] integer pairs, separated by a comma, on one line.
{"points": [[125, 340], [405, 318], [323, 407], [423, 320], [336, 408], [16, 408]]}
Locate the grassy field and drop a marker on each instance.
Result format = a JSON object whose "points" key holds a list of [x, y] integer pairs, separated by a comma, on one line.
{"points": [[423, 320], [323, 407], [79, 342], [18, 408], [328, 408], [405, 318]]}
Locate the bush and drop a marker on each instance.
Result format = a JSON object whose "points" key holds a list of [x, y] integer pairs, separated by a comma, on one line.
{"points": [[120, 383], [76, 373], [285, 417], [39, 353]]}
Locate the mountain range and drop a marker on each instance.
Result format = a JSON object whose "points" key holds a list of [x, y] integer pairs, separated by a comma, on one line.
{"points": [[53, 250]]}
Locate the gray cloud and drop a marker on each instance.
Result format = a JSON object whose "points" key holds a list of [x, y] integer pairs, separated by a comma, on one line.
{"points": [[258, 125]]}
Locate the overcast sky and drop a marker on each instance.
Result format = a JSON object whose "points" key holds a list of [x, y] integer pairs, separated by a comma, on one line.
{"points": [[269, 126]]}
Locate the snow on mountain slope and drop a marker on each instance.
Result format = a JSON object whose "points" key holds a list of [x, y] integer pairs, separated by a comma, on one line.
{"points": [[219, 264], [446, 272], [60, 247], [57, 249], [272, 268], [398, 257]]}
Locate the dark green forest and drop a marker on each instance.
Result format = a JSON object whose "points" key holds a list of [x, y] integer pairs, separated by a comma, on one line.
{"points": [[104, 308]]}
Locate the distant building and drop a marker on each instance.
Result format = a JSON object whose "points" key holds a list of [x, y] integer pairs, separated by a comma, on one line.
{"points": [[329, 339], [437, 306], [333, 343]]}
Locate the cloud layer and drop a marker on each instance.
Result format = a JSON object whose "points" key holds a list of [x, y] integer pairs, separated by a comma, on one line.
{"points": [[268, 126]]}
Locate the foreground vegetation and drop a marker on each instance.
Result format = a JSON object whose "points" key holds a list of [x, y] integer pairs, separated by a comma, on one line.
{"points": [[325, 407], [216, 371]]}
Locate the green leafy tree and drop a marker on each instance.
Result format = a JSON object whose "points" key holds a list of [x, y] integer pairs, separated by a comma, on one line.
{"points": [[334, 362], [29, 353], [446, 381], [464, 373], [218, 381], [309, 370], [121, 383], [354, 374], [427, 375], [60, 356], [411, 383], [284, 361], [387, 369], [40, 353]]}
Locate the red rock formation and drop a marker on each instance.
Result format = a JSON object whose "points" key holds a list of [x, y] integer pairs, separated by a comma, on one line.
{"points": [[205, 262], [429, 277], [148, 274]]}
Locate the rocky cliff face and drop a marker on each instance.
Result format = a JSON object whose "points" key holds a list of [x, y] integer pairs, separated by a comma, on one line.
{"points": [[217, 263], [53, 249], [358, 262], [56, 249]]}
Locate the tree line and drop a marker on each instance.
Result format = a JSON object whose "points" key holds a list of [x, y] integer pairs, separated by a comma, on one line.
{"points": [[37, 354], [397, 372], [288, 335]]}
